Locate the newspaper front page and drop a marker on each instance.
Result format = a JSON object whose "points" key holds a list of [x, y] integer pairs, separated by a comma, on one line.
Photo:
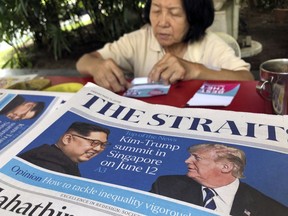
{"points": [[147, 141]]}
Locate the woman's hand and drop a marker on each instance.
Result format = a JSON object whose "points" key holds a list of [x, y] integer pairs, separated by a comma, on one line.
{"points": [[106, 73], [168, 70], [171, 69]]}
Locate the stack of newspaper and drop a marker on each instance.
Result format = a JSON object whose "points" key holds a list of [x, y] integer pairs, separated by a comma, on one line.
{"points": [[146, 141]]}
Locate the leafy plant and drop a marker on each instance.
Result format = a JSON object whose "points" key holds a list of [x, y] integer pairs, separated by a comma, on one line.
{"points": [[55, 26], [281, 4], [58, 40]]}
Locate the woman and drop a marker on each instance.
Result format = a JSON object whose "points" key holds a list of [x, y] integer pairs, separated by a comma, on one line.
{"points": [[173, 46]]}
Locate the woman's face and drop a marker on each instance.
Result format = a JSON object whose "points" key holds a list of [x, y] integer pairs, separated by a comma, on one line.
{"points": [[169, 21]]}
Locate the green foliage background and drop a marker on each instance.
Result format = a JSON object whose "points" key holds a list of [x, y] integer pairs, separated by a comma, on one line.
{"points": [[55, 27]]}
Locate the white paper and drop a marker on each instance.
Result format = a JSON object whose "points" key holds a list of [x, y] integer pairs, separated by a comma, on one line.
{"points": [[211, 94]]}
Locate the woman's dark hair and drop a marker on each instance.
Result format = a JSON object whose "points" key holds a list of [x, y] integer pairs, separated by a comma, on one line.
{"points": [[200, 15]]}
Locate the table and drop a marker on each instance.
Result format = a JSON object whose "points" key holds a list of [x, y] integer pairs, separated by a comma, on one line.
{"points": [[246, 100]]}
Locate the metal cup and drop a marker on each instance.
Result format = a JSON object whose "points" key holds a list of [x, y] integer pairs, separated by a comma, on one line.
{"points": [[273, 84]]}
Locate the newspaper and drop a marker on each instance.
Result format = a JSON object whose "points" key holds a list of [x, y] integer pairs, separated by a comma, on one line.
{"points": [[147, 141], [21, 110]]}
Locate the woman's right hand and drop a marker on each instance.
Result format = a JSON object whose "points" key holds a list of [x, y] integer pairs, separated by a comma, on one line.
{"points": [[106, 73]]}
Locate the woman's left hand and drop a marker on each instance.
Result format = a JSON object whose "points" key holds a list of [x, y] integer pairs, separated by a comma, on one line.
{"points": [[171, 69], [168, 70]]}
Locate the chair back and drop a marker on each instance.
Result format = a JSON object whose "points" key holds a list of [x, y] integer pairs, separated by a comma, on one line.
{"points": [[232, 42]]}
